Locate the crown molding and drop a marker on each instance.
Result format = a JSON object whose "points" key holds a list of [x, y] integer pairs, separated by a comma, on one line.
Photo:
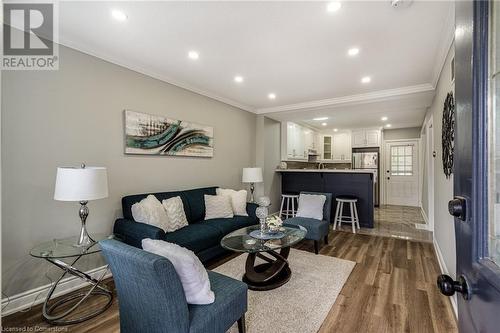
{"points": [[352, 99], [162, 78], [447, 39]]}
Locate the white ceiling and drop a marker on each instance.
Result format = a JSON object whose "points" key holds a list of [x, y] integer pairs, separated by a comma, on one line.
{"points": [[402, 112], [296, 50]]}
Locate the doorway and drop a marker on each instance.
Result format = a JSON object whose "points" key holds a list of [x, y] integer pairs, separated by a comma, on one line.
{"points": [[402, 173]]}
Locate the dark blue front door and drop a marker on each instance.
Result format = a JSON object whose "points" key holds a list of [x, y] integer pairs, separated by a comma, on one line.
{"points": [[477, 167]]}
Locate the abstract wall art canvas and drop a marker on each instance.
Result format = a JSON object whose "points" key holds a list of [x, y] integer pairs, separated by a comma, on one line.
{"points": [[158, 135]]}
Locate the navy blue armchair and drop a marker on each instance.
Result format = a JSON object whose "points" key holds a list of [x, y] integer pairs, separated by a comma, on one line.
{"points": [[151, 297], [316, 230]]}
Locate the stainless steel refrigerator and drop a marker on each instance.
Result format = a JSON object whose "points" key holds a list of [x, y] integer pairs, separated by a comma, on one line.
{"points": [[362, 159]]}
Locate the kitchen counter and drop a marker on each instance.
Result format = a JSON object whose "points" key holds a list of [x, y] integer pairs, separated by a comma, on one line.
{"points": [[358, 183], [326, 170]]}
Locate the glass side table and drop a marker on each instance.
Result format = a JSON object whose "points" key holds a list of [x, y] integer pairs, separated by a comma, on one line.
{"points": [[57, 249]]}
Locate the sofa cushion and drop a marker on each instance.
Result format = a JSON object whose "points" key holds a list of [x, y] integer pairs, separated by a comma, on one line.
{"points": [[218, 207], [195, 237], [226, 226], [176, 215], [129, 200], [150, 211], [196, 201]]}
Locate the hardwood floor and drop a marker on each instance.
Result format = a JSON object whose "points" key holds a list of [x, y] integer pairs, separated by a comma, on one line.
{"points": [[391, 289]]}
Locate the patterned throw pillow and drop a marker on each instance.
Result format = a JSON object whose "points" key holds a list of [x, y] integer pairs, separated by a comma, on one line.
{"points": [[150, 211], [238, 200], [176, 217], [217, 207]]}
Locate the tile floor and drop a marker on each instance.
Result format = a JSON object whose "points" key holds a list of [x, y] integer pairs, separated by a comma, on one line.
{"points": [[396, 221]]}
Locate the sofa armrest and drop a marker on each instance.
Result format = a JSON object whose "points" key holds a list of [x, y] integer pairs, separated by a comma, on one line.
{"points": [[251, 207], [132, 233]]}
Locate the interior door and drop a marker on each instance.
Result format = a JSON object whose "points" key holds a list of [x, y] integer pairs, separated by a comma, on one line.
{"points": [[401, 176], [476, 168]]}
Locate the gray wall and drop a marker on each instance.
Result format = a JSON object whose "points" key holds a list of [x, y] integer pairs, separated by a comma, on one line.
{"points": [[268, 157], [75, 114], [402, 133], [444, 228], [272, 158], [425, 172]]}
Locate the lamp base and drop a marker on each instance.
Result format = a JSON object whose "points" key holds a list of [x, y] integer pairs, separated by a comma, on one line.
{"points": [[252, 189], [84, 240]]}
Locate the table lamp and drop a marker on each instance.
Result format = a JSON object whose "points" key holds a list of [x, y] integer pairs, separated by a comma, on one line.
{"points": [[81, 185], [252, 176]]}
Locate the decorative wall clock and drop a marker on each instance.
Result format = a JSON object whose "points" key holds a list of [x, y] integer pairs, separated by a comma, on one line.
{"points": [[448, 134]]}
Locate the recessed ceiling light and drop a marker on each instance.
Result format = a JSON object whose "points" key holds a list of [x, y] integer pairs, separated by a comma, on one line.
{"points": [[333, 6], [271, 96], [352, 52], [366, 79], [324, 124], [335, 129], [388, 125], [193, 55], [384, 118], [119, 15], [238, 79], [320, 118]]}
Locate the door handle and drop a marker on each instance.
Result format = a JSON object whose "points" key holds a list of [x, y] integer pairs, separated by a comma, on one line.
{"points": [[448, 286], [457, 207]]}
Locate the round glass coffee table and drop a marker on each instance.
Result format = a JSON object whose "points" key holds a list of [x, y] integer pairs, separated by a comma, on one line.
{"points": [[275, 271], [64, 253]]}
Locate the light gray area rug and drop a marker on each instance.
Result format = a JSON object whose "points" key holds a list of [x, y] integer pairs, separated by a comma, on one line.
{"points": [[303, 303]]}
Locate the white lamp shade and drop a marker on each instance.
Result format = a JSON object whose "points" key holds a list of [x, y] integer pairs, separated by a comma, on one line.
{"points": [[252, 175], [81, 184]]}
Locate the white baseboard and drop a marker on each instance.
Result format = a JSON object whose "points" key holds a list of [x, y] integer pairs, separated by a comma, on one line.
{"points": [[444, 270], [426, 226], [36, 296]]}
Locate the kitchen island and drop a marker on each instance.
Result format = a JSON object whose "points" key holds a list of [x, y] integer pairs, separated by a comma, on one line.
{"points": [[338, 182]]}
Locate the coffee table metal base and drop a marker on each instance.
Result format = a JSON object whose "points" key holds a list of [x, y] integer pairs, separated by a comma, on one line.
{"points": [[272, 274]]}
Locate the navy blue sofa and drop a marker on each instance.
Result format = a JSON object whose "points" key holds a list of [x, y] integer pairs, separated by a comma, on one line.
{"points": [[201, 237]]}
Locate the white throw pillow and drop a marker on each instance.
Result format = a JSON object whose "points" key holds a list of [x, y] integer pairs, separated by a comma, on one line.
{"points": [[218, 206], [193, 275], [238, 200], [150, 211], [176, 217], [311, 206]]}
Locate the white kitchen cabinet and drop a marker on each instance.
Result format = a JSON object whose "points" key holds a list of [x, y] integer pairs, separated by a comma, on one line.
{"points": [[342, 146], [299, 140], [373, 138], [365, 138], [358, 138], [326, 147]]}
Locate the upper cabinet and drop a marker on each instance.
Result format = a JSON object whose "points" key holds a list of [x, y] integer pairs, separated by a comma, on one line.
{"points": [[366, 138], [342, 146], [327, 147], [299, 140], [336, 147]]}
